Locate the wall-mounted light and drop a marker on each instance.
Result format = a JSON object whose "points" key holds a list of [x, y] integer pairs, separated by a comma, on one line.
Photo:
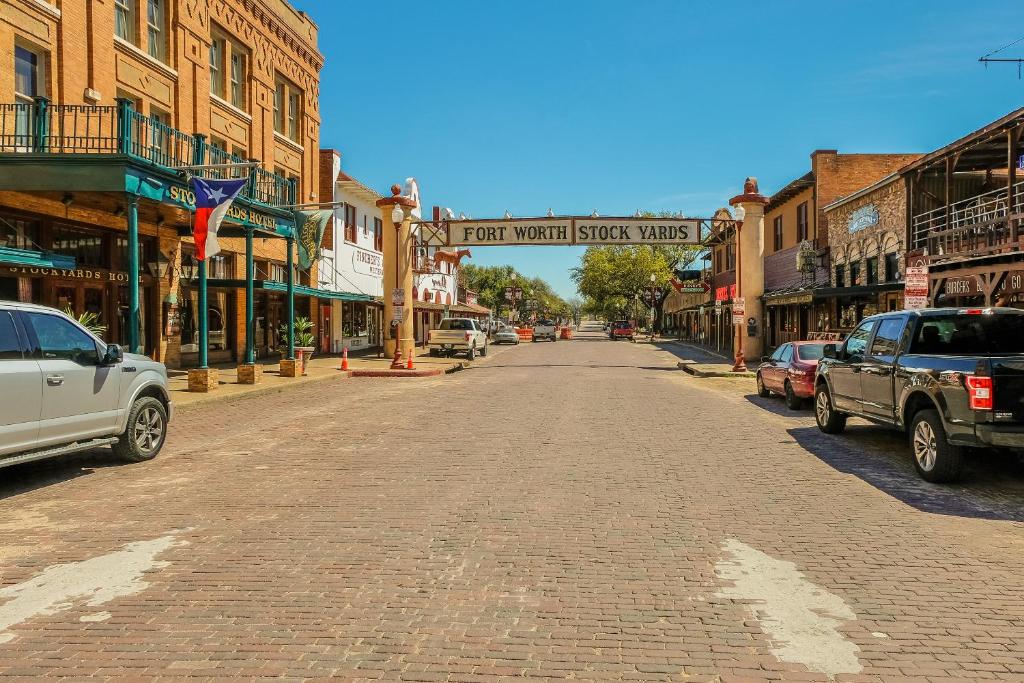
{"points": [[68, 199]]}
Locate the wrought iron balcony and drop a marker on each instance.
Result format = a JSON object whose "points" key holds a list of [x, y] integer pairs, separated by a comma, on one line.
{"points": [[974, 226], [40, 127]]}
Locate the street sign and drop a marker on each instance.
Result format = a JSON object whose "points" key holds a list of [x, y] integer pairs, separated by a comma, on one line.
{"points": [[915, 290], [705, 286], [398, 296], [737, 311], [396, 314]]}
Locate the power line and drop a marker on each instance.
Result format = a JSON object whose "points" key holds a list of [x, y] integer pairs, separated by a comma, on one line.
{"points": [[985, 59]]}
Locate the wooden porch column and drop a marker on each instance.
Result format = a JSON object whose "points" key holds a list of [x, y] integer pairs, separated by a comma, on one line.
{"points": [[1012, 151]]}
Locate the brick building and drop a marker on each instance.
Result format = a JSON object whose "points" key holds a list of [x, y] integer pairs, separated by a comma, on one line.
{"points": [[796, 239], [100, 103]]}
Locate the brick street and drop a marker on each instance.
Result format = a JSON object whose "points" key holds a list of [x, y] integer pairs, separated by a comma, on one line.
{"points": [[572, 510]]}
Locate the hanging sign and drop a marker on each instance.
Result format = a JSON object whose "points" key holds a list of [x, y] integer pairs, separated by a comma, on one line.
{"points": [[398, 296], [737, 310]]}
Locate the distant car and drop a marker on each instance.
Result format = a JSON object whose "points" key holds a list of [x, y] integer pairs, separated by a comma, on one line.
{"points": [[622, 329], [545, 329], [64, 391], [790, 371], [506, 335]]}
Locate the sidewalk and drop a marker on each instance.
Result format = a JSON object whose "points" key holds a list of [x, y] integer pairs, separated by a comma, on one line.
{"points": [[319, 368], [701, 362]]}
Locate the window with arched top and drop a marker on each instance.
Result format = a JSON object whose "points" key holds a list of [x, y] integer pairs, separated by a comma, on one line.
{"points": [[426, 295], [448, 299], [437, 297], [415, 293]]}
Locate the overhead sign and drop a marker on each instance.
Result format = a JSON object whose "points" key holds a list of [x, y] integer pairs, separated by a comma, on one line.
{"points": [[915, 287], [573, 230]]}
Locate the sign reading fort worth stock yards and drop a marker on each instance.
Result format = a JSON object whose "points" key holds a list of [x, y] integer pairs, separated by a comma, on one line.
{"points": [[567, 231]]}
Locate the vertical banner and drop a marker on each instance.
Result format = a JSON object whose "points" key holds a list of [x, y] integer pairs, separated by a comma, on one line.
{"points": [[309, 234]]}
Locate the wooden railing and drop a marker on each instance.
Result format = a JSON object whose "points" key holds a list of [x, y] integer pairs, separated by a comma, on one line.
{"points": [[970, 227], [40, 127]]}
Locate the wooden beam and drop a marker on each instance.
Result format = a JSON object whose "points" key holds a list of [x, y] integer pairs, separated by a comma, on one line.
{"points": [[935, 286], [1012, 152]]}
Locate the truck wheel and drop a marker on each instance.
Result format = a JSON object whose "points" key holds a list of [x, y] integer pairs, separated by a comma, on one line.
{"points": [[762, 391], [147, 428], [828, 418], [434, 353], [483, 351], [935, 459], [793, 402], [471, 354]]}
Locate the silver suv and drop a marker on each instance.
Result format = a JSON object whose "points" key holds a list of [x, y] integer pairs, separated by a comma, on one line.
{"points": [[62, 390]]}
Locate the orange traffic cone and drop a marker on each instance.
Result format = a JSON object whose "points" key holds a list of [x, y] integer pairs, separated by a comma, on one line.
{"points": [[344, 358], [408, 364]]}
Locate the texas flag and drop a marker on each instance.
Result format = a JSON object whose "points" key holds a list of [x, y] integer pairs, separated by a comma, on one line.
{"points": [[213, 198]]}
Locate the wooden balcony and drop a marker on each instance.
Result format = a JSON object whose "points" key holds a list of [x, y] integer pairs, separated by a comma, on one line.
{"points": [[977, 226]]}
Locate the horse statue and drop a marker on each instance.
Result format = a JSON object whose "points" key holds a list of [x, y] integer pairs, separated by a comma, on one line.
{"points": [[451, 257]]}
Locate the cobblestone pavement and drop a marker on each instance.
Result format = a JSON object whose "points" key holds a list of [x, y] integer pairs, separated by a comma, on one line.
{"points": [[571, 510]]}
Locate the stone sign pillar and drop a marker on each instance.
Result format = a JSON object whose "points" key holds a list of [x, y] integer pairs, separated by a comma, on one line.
{"points": [[397, 255], [750, 272]]}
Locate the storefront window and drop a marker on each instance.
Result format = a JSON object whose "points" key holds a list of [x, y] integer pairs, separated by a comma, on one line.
{"points": [[872, 270], [86, 246], [124, 318], [19, 234], [147, 247], [892, 267], [354, 320], [217, 320], [840, 276]]}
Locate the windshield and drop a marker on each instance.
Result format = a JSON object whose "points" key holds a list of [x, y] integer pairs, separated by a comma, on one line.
{"points": [[810, 351], [622, 325], [456, 324], [969, 334], [545, 323]]}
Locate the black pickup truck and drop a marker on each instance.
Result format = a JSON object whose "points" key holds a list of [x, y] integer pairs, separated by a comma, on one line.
{"points": [[953, 378]]}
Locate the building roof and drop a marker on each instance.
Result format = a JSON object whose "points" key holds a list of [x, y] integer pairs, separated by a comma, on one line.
{"points": [[350, 184], [976, 150], [791, 190]]}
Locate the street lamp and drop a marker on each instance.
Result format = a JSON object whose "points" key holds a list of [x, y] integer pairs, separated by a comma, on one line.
{"points": [[512, 300], [397, 217], [654, 279]]}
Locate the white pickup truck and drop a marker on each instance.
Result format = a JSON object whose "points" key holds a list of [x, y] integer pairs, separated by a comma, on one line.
{"points": [[458, 335], [545, 329]]}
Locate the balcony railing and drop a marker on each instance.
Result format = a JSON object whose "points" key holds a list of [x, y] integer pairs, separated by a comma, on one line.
{"points": [[43, 128], [971, 227]]}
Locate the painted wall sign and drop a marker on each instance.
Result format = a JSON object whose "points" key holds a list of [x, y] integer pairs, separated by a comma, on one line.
{"points": [[567, 231], [864, 217], [970, 286], [72, 274], [367, 262]]}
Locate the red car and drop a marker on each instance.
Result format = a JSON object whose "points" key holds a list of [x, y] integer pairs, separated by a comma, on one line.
{"points": [[790, 372], [622, 329]]}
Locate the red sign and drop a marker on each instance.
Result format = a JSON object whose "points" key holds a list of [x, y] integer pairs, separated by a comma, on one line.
{"points": [[725, 293]]}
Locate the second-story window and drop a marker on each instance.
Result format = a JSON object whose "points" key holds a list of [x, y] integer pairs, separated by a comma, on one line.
{"points": [[801, 222], [892, 266], [155, 23], [777, 233], [378, 234], [730, 257], [124, 19], [840, 276], [854, 273], [238, 79], [287, 109], [871, 265], [350, 223], [217, 66]]}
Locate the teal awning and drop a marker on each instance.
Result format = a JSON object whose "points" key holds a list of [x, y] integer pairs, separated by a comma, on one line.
{"points": [[36, 259], [282, 287]]}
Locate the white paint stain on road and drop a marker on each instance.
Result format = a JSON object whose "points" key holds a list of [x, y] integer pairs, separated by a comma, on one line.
{"points": [[799, 617], [93, 582]]}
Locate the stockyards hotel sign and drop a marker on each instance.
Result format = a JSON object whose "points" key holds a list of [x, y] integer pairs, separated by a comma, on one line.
{"points": [[568, 231]]}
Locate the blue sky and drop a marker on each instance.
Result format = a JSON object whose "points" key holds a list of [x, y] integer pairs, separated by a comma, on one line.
{"points": [[654, 104]]}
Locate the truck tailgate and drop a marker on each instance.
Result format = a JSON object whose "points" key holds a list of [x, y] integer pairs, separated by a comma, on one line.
{"points": [[1008, 388]]}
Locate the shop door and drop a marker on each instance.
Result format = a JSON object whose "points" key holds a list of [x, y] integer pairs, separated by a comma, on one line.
{"points": [[325, 328]]}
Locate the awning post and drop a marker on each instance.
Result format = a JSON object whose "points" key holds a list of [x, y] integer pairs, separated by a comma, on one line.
{"points": [[204, 323], [291, 298], [133, 274], [250, 326]]}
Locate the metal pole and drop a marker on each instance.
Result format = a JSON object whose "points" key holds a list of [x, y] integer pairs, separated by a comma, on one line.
{"points": [[133, 273], [291, 300], [204, 324], [250, 327]]}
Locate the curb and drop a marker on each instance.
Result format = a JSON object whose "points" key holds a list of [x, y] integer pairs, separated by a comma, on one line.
{"points": [[396, 373], [261, 391], [690, 367]]}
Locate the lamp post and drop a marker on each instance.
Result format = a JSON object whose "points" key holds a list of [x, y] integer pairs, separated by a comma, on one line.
{"points": [[397, 217], [654, 279], [512, 300]]}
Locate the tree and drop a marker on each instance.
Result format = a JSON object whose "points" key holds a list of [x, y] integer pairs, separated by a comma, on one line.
{"points": [[490, 282], [613, 278]]}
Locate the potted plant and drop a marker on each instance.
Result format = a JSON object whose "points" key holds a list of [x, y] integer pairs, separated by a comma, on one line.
{"points": [[88, 320], [304, 340]]}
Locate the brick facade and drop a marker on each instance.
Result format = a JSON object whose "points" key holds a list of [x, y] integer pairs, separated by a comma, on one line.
{"points": [[887, 235], [264, 45]]}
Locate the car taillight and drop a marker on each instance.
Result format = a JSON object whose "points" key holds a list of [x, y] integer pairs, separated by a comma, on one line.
{"points": [[979, 392], [467, 336]]}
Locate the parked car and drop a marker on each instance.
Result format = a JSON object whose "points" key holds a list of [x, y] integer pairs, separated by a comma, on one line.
{"points": [[458, 335], [622, 329], [64, 391], [506, 335], [952, 378], [790, 371], [545, 329]]}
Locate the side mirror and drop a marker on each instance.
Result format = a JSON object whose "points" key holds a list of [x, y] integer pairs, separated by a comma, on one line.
{"points": [[829, 351], [113, 355]]}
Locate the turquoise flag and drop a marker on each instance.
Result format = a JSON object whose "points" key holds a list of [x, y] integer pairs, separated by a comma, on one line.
{"points": [[309, 233]]}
